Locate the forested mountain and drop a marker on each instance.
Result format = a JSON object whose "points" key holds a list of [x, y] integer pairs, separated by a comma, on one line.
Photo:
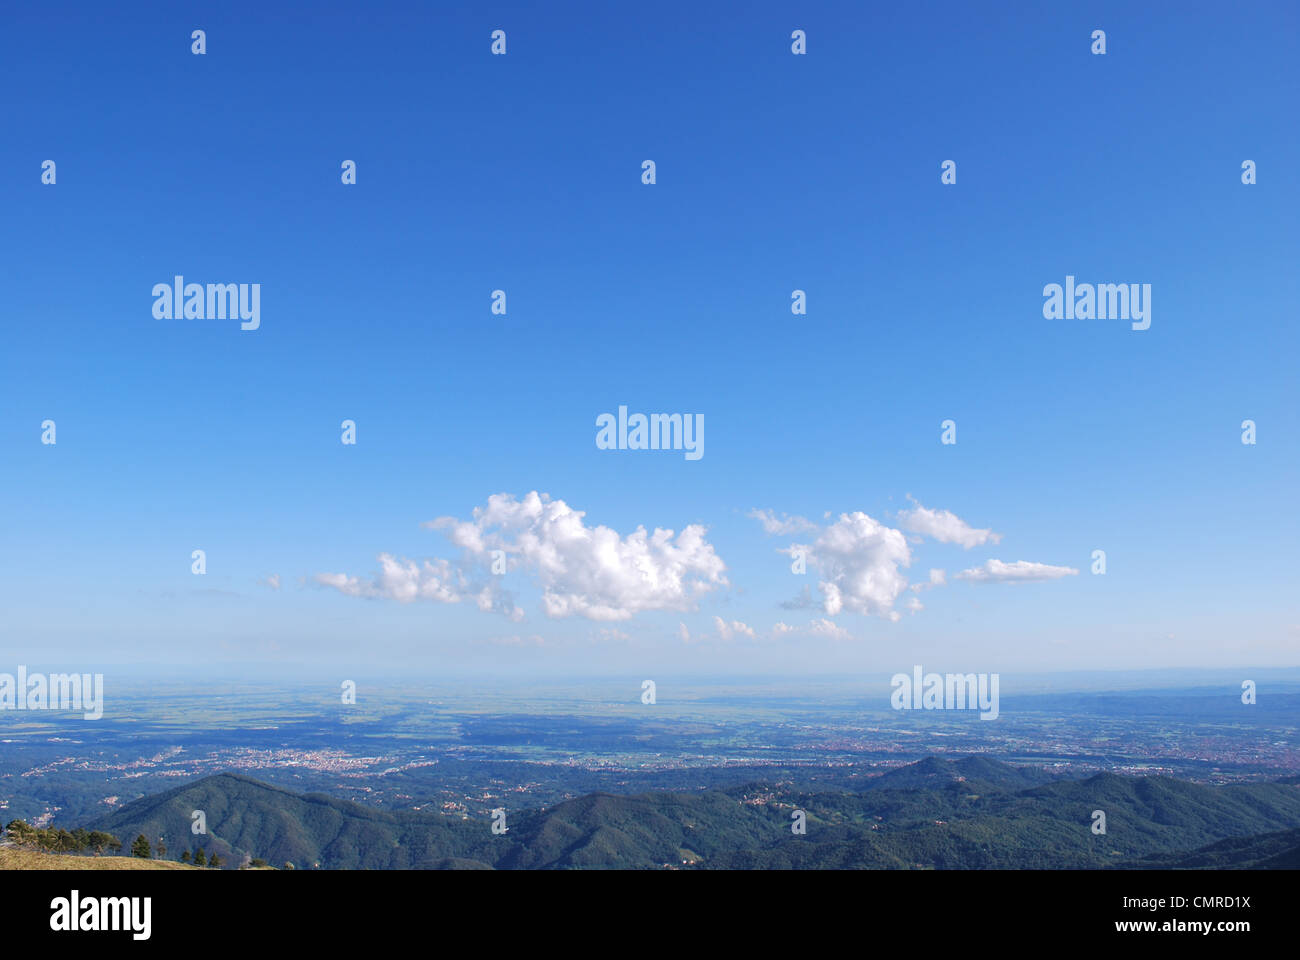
{"points": [[974, 813], [1266, 851], [244, 817]]}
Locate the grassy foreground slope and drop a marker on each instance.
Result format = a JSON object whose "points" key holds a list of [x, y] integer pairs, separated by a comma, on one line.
{"points": [[16, 858]]}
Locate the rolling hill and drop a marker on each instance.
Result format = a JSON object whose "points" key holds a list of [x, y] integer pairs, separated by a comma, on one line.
{"points": [[247, 817], [973, 813], [1267, 851]]}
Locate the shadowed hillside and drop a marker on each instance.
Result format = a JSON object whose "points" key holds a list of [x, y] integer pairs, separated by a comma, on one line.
{"points": [[974, 813], [247, 817], [1268, 851]]}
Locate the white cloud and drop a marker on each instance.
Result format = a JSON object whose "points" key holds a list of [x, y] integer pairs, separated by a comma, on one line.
{"points": [[273, 581], [944, 526], [723, 631], [858, 559], [821, 627], [996, 571], [828, 628], [729, 631], [407, 581], [937, 579], [783, 525], [584, 571]]}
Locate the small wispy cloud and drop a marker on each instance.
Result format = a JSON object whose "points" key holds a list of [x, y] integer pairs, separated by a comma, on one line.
{"points": [[944, 526], [1021, 571], [783, 525], [729, 631]]}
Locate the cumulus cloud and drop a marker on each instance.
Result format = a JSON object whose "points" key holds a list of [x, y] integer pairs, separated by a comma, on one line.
{"points": [[590, 571], [407, 581], [783, 525], [944, 526], [585, 571], [996, 571], [859, 561]]}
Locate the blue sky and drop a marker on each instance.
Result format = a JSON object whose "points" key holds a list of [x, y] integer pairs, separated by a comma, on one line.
{"points": [[775, 172]]}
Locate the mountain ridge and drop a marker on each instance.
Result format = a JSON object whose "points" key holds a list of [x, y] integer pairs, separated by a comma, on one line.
{"points": [[970, 813]]}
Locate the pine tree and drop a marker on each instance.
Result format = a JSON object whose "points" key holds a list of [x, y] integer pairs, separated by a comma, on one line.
{"points": [[214, 860], [141, 847], [200, 858], [185, 856]]}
